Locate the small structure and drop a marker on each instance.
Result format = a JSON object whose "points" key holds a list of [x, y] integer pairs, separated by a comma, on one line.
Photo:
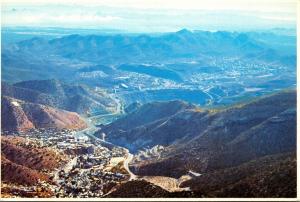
{"points": [[194, 174], [103, 136], [123, 85]]}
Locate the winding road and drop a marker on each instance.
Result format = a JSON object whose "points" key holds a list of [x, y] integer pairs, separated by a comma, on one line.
{"points": [[91, 129], [126, 165]]}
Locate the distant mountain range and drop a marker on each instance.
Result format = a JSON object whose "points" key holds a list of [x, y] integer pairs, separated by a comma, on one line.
{"points": [[64, 55], [124, 48]]}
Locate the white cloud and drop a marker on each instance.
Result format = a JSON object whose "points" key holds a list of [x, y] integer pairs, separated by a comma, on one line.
{"points": [[150, 14], [58, 17], [83, 18], [249, 5], [279, 18]]}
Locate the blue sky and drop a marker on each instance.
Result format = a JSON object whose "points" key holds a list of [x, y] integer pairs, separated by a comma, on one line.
{"points": [[151, 15]]}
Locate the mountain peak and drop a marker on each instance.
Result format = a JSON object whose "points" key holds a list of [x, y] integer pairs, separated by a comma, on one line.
{"points": [[184, 31]]}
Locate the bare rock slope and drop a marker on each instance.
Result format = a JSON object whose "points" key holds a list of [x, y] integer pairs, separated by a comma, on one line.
{"points": [[19, 115]]}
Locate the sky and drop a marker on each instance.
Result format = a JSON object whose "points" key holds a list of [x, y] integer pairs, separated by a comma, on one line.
{"points": [[151, 15]]}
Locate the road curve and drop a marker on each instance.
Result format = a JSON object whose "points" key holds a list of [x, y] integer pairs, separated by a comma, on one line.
{"points": [[126, 165]]}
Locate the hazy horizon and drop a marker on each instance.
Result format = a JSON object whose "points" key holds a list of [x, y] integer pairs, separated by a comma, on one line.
{"points": [[151, 15]]}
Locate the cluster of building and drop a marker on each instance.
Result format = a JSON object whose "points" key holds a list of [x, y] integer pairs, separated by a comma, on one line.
{"points": [[86, 172], [92, 182], [141, 82]]}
